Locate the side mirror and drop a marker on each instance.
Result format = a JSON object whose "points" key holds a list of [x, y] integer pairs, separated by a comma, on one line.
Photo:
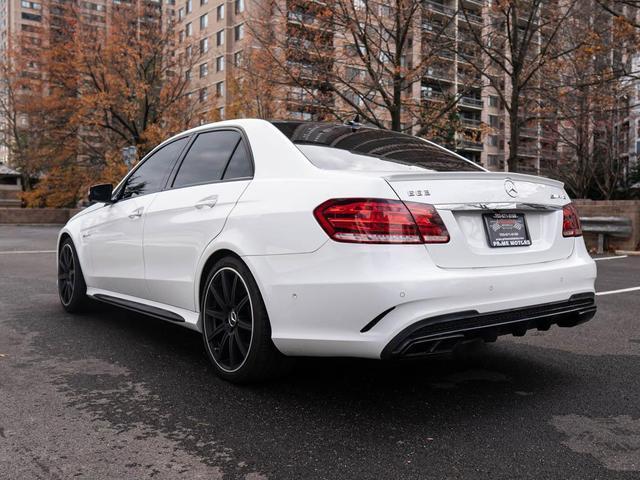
{"points": [[101, 193]]}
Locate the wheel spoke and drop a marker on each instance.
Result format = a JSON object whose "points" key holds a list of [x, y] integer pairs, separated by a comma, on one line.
{"points": [[232, 350], [225, 287], [241, 347], [244, 325], [241, 304], [234, 285], [216, 331], [217, 314], [216, 295]]}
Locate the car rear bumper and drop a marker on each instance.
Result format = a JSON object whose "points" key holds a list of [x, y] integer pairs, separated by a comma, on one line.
{"points": [[356, 300], [443, 333]]}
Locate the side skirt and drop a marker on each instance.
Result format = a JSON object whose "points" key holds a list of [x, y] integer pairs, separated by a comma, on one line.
{"points": [[140, 308], [170, 313]]}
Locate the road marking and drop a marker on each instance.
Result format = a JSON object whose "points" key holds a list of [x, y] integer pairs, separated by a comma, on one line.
{"points": [[610, 258], [17, 252], [622, 290]]}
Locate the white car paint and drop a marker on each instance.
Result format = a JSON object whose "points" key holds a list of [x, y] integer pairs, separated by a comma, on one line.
{"points": [[319, 293]]}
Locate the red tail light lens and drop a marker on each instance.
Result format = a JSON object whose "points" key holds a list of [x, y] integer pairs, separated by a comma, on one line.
{"points": [[570, 221], [370, 220], [429, 223]]}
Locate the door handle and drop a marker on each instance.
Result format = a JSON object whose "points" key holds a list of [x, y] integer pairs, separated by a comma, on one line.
{"points": [[136, 213], [207, 202]]}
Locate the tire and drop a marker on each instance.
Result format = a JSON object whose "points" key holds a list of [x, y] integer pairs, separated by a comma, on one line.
{"points": [[72, 290], [235, 326]]}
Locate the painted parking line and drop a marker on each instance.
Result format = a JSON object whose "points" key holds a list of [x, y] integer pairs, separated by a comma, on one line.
{"points": [[18, 252], [622, 290], [610, 258]]}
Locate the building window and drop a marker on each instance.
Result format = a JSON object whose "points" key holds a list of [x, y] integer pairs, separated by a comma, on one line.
{"points": [[189, 51], [220, 38], [32, 17], [237, 58], [239, 6], [204, 94], [204, 70], [238, 32], [219, 89], [204, 45], [189, 6], [221, 113], [494, 121], [180, 13], [181, 36], [493, 160], [220, 64], [204, 2], [204, 21], [494, 101], [189, 29], [32, 5], [187, 75], [220, 12]]}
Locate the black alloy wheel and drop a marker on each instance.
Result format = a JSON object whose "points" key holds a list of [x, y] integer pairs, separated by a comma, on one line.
{"points": [[235, 325], [66, 274], [72, 288], [228, 319]]}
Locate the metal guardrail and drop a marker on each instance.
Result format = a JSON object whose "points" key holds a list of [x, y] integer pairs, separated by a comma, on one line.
{"points": [[606, 226]]}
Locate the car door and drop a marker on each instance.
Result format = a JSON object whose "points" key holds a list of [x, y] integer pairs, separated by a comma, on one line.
{"points": [[113, 233], [184, 218]]}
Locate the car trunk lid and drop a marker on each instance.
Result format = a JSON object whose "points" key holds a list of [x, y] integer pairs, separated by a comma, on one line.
{"points": [[462, 198]]}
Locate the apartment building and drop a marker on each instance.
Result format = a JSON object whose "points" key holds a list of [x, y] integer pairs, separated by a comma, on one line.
{"points": [[213, 34], [29, 25]]}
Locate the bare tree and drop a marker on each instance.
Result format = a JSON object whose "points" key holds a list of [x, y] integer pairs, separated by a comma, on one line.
{"points": [[356, 57], [517, 44]]}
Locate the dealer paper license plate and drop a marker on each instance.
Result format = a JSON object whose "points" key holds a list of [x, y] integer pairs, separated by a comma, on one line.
{"points": [[506, 230]]}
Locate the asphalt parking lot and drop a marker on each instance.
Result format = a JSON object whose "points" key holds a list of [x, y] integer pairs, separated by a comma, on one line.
{"points": [[113, 394]]}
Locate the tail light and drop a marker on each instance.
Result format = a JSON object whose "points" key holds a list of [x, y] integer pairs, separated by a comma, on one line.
{"points": [[372, 220], [570, 221]]}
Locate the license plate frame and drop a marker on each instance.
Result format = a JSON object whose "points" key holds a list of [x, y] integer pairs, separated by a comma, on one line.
{"points": [[506, 229]]}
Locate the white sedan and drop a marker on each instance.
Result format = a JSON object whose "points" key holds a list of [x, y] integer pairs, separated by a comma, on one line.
{"points": [[280, 239]]}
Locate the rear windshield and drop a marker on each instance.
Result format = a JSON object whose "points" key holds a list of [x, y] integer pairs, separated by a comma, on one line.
{"points": [[340, 147]]}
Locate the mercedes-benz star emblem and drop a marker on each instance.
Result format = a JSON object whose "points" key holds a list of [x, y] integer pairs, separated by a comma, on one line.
{"points": [[510, 188]]}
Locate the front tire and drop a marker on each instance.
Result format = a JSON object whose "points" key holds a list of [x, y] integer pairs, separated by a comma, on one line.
{"points": [[235, 325], [72, 290]]}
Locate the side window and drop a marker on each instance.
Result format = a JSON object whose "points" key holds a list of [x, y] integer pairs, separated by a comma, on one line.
{"points": [[151, 175], [240, 164], [207, 158]]}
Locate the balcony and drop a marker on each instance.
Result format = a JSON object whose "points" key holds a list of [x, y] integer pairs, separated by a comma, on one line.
{"points": [[439, 73], [469, 145], [549, 154], [432, 95], [471, 102], [472, 18], [527, 152], [529, 132], [438, 29], [437, 7], [470, 122]]}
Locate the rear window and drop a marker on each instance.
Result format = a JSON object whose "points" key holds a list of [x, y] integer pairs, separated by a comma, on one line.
{"points": [[340, 147]]}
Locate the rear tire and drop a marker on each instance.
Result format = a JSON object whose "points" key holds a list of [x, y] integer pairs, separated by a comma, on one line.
{"points": [[235, 325], [72, 290]]}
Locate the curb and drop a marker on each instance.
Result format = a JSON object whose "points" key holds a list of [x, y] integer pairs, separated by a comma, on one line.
{"points": [[631, 253]]}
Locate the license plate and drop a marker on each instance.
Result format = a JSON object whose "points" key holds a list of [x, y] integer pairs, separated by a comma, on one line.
{"points": [[506, 230]]}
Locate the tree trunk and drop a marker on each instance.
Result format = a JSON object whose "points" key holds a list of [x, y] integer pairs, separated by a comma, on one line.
{"points": [[514, 133]]}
